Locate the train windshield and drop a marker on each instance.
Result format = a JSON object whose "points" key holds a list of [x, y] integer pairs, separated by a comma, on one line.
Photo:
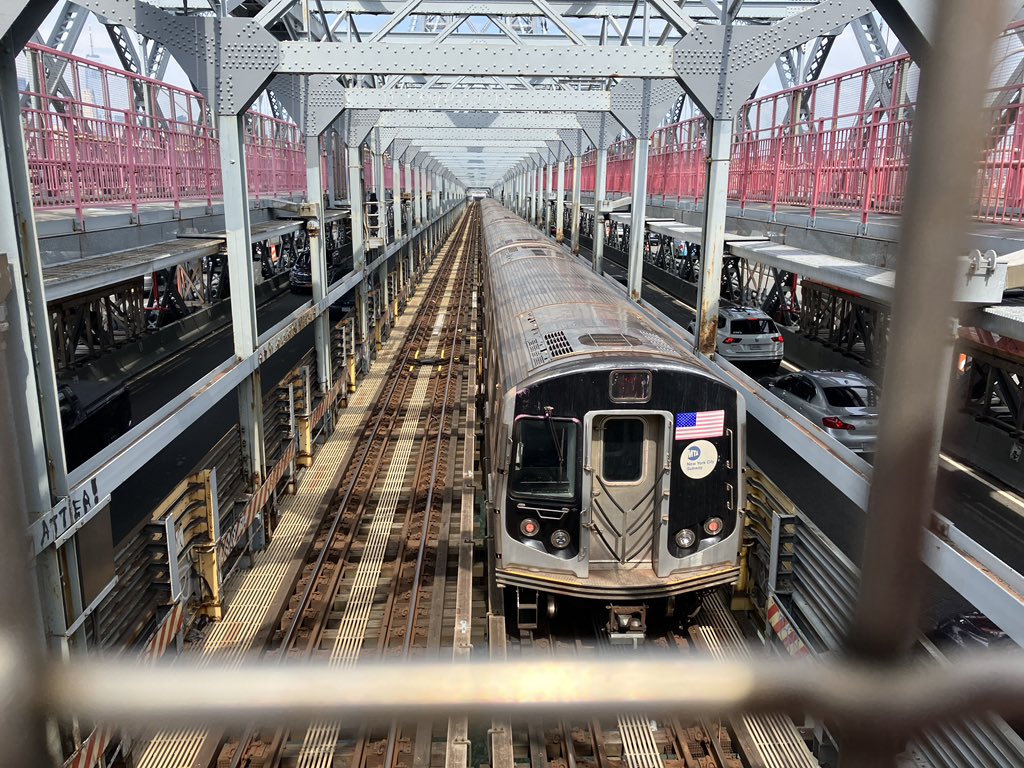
{"points": [[544, 458]]}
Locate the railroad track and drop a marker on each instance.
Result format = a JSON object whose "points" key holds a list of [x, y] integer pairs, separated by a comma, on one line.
{"points": [[628, 740], [378, 575]]}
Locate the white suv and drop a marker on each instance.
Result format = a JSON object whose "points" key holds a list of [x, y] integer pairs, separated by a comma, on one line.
{"points": [[748, 335]]}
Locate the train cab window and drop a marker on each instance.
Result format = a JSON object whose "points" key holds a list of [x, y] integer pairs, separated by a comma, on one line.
{"points": [[630, 386], [544, 458], [622, 447]]}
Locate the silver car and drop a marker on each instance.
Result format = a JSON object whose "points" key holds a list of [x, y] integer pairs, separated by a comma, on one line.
{"points": [[748, 335], [843, 403]]}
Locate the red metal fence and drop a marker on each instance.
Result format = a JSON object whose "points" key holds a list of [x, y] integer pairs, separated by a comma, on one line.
{"points": [[111, 138], [100, 136], [839, 143]]}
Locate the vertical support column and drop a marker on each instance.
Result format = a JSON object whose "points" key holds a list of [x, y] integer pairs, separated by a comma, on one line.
{"points": [[410, 248], [243, 297], [547, 202], [318, 263], [29, 406], [577, 181], [355, 197], [560, 203], [533, 197], [408, 187], [379, 187], [21, 723], [434, 194], [638, 209], [423, 195], [396, 197], [414, 203], [332, 192], [709, 289], [380, 193], [600, 184]]}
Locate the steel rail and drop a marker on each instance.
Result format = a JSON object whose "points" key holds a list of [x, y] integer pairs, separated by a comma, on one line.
{"points": [[472, 235], [397, 366], [287, 641], [401, 371]]}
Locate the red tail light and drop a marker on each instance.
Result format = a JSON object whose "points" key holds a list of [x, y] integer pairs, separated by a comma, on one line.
{"points": [[778, 339], [730, 340], [834, 422]]}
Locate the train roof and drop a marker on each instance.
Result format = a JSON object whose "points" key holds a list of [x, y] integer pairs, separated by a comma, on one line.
{"points": [[550, 310]]}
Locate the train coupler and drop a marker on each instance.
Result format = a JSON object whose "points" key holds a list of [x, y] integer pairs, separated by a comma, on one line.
{"points": [[627, 624]]}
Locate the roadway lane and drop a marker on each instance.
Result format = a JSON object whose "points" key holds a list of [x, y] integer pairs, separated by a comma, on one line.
{"points": [[167, 379], [985, 510], [142, 492]]}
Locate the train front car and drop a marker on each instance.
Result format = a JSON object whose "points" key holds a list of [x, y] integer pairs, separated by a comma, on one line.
{"points": [[615, 456]]}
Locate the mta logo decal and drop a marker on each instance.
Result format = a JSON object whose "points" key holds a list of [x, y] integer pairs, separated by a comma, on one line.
{"points": [[693, 453]]}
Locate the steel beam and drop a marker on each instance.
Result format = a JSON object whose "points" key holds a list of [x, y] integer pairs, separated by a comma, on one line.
{"points": [[638, 205], [697, 10], [318, 263], [471, 138], [396, 196], [548, 170], [560, 202], [508, 121], [32, 454], [238, 229], [577, 180], [475, 60], [716, 196], [600, 182], [355, 199], [475, 100]]}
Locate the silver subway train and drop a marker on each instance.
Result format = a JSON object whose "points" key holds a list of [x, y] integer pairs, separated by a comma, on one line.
{"points": [[614, 456]]}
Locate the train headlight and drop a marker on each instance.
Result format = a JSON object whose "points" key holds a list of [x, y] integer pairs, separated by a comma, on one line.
{"points": [[529, 527], [713, 526], [685, 538], [560, 539]]}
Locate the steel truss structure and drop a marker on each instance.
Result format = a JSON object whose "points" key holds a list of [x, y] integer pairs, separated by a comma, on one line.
{"points": [[506, 96]]}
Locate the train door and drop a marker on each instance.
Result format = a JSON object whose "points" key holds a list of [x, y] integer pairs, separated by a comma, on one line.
{"points": [[628, 473]]}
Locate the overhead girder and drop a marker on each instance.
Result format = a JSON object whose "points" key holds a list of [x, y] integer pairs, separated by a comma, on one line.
{"points": [[131, 61], [869, 38], [493, 100], [473, 136], [64, 37], [698, 10], [432, 144], [299, 57], [504, 120]]}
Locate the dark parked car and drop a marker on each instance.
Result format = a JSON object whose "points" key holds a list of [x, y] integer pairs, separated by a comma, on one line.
{"points": [[300, 279], [91, 426], [970, 630]]}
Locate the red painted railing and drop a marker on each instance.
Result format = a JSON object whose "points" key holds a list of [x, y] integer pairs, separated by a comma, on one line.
{"points": [[111, 138], [840, 143]]}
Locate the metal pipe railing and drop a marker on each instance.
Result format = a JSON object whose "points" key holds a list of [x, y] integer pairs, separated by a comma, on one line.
{"points": [[840, 143], [94, 148]]}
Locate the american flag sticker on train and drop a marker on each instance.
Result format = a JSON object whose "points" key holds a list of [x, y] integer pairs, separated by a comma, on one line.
{"points": [[690, 426]]}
